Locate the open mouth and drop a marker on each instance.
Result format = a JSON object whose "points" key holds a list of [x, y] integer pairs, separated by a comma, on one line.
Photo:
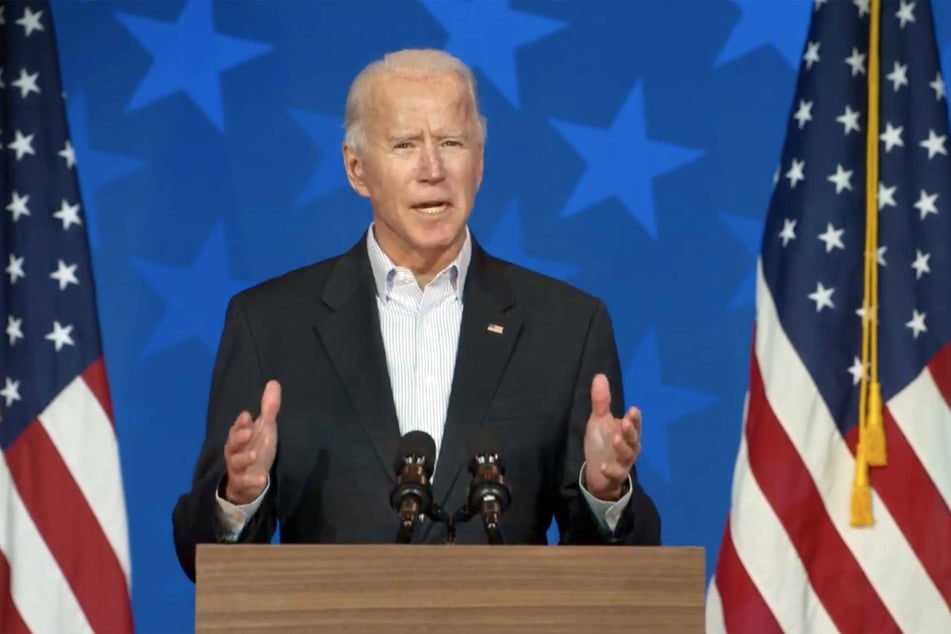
{"points": [[431, 208]]}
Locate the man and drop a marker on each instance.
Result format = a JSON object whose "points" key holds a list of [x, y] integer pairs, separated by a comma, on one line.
{"points": [[415, 328]]}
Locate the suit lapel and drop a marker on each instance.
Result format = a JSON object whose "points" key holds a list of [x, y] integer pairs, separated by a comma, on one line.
{"points": [[490, 328], [351, 336]]}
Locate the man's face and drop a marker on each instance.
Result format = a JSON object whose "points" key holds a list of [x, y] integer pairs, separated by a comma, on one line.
{"points": [[421, 167]]}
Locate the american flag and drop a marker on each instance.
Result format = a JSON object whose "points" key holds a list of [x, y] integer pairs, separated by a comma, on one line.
{"points": [[790, 559], [64, 551]]}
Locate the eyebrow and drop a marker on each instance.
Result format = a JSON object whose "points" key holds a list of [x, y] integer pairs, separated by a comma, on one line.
{"points": [[415, 136]]}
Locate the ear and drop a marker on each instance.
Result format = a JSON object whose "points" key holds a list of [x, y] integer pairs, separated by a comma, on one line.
{"points": [[481, 165], [353, 164]]}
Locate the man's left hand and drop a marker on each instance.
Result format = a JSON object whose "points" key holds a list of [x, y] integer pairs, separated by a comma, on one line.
{"points": [[611, 445]]}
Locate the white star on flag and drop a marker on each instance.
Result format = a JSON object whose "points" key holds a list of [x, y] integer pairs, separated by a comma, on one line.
{"points": [[69, 154], [65, 275], [892, 136], [934, 144], [926, 204], [789, 230], [22, 145], [26, 83], [69, 214], [921, 264], [15, 268], [905, 13], [917, 323], [898, 76], [849, 119], [856, 371], [804, 113], [10, 391], [61, 336], [832, 237], [857, 61], [18, 206], [14, 329], [811, 55], [842, 179], [886, 196], [795, 173], [938, 86], [30, 22], [822, 297]]}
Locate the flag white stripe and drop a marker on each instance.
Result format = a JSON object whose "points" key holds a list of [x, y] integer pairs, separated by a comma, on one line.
{"points": [[91, 453], [39, 590], [924, 418], [764, 548], [881, 551], [714, 609]]}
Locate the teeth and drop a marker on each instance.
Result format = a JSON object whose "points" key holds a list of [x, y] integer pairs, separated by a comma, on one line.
{"points": [[432, 210]]}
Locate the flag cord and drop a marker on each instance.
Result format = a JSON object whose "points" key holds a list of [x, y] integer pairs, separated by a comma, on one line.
{"points": [[870, 451]]}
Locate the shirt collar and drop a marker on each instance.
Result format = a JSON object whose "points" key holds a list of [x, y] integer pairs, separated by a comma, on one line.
{"points": [[384, 269]]}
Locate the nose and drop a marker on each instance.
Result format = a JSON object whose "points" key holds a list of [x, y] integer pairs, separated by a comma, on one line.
{"points": [[431, 168]]}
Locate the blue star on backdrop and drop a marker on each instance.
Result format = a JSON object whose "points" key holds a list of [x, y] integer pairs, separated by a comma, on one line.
{"points": [[95, 167], [189, 55], [327, 134], [506, 243], [660, 403], [777, 24], [471, 25], [750, 233], [622, 161], [195, 296]]}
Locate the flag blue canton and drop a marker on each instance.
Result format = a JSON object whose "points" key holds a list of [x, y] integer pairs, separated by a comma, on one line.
{"points": [[814, 238], [48, 305]]}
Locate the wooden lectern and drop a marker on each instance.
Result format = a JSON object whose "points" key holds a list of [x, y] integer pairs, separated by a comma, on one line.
{"points": [[436, 588]]}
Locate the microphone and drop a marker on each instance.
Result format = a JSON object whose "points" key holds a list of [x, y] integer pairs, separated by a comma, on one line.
{"points": [[412, 496], [488, 493]]}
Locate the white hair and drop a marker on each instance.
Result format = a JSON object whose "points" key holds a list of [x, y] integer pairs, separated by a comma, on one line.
{"points": [[412, 63]]}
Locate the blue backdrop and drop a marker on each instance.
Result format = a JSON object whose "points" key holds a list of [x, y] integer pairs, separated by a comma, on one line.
{"points": [[632, 148]]}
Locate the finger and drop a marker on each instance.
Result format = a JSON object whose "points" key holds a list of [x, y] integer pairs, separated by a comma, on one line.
{"points": [[623, 451], [270, 402], [630, 433], [600, 395], [239, 435], [634, 415], [238, 462]]}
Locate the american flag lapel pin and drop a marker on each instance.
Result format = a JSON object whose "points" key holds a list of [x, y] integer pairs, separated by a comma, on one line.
{"points": [[496, 329]]}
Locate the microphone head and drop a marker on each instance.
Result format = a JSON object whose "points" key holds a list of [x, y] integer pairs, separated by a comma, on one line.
{"points": [[416, 447], [484, 447]]}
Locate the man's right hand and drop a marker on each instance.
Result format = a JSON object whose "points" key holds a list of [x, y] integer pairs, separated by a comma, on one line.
{"points": [[251, 447]]}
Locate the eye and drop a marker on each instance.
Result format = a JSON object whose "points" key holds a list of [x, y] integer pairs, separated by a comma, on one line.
{"points": [[403, 145]]}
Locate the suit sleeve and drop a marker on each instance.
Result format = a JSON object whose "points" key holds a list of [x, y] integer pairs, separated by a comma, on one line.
{"points": [[236, 386], [639, 523]]}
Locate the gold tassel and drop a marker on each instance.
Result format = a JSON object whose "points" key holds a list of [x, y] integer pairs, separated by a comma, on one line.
{"points": [[861, 505], [875, 449]]}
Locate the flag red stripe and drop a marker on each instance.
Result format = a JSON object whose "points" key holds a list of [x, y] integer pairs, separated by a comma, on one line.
{"points": [[940, 367], [915, 503], [839, 582], [10, 620], [70, 530], [744, 609], [95, 378]]}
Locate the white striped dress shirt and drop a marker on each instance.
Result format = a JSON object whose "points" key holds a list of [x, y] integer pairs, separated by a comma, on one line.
{"points": [[420, 329]]}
